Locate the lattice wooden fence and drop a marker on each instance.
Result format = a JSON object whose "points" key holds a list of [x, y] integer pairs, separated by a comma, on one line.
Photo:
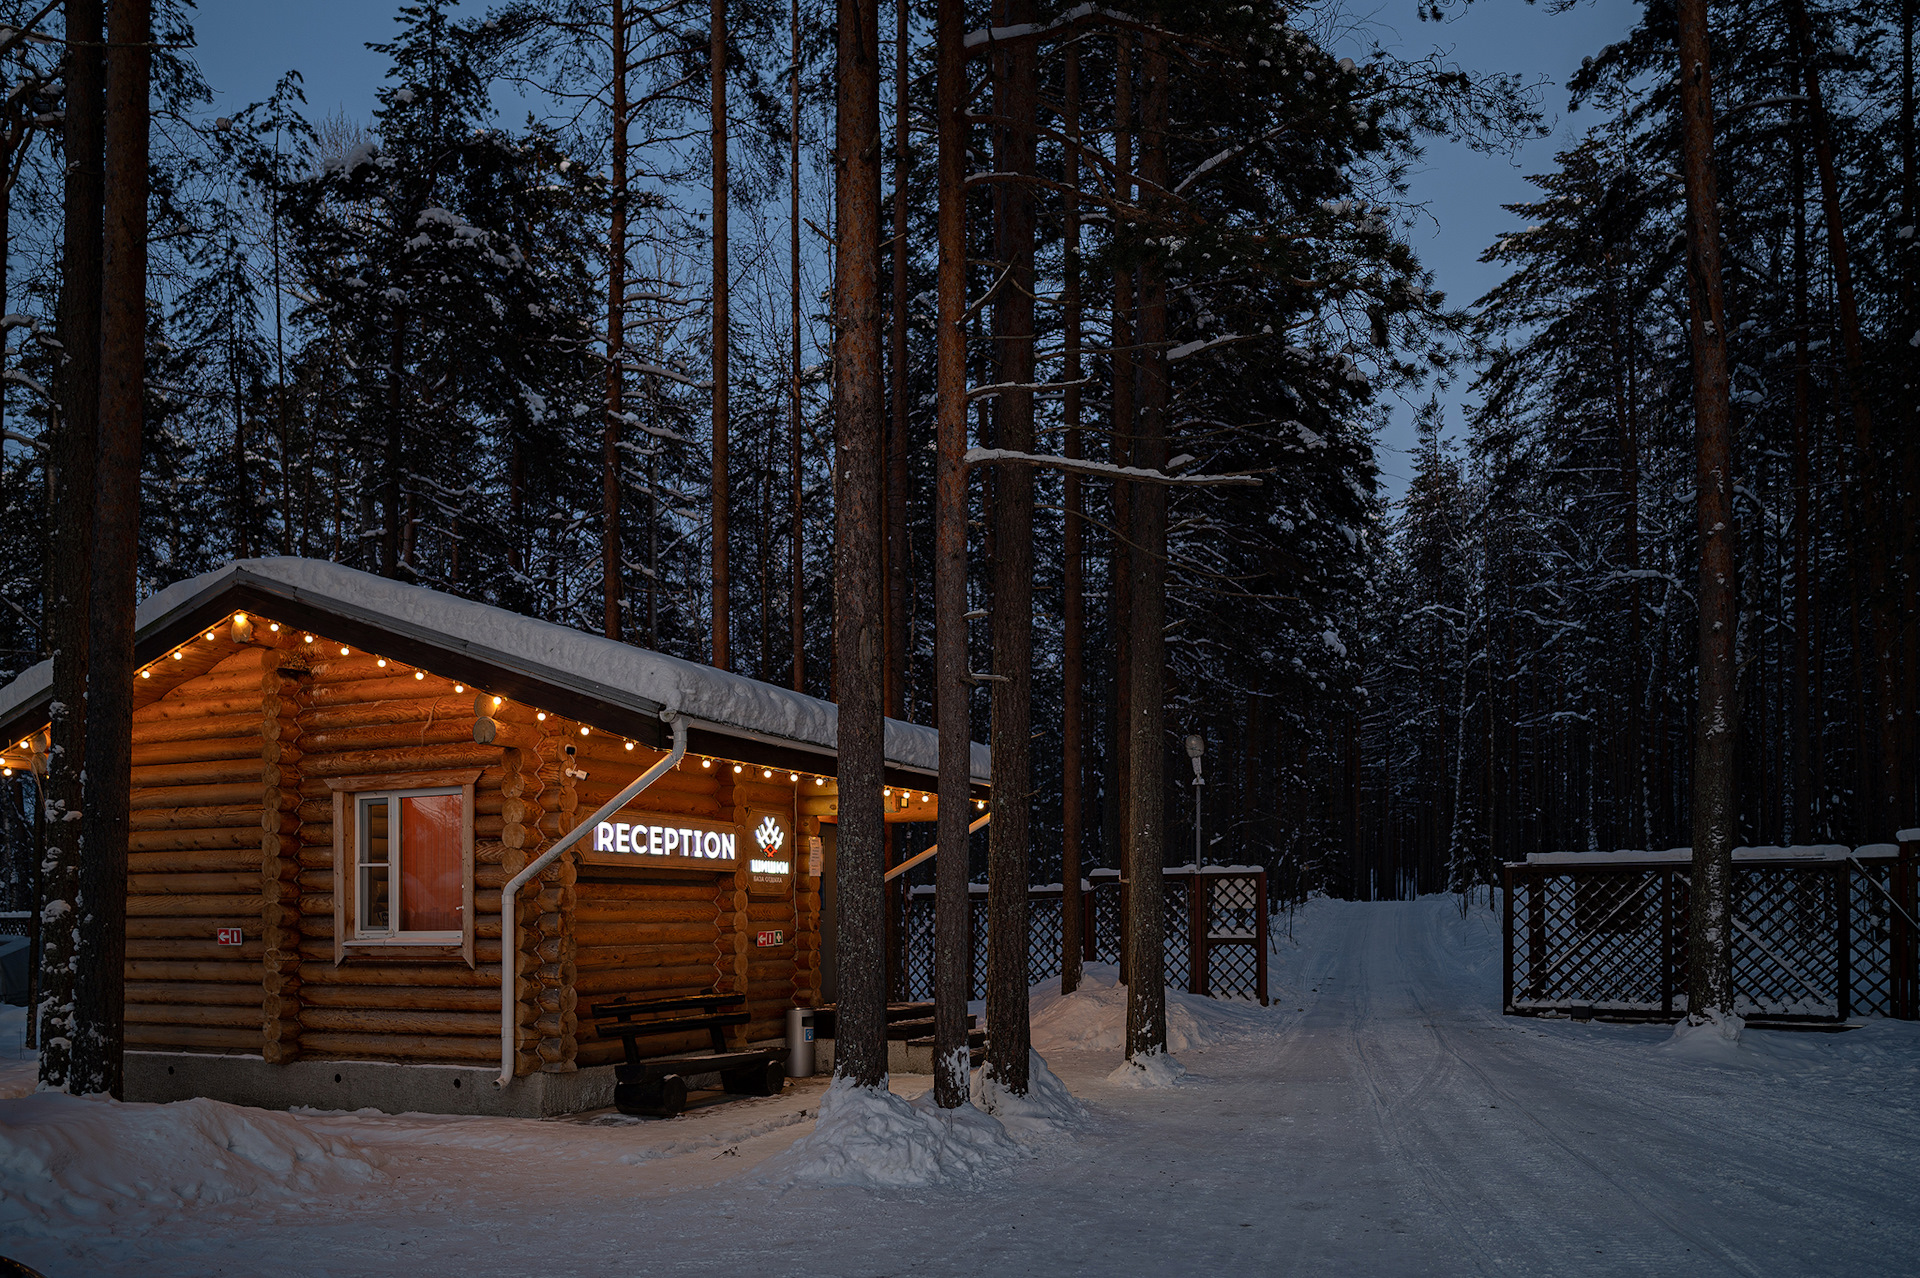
{"points": [[1817, 937], [1215, 925]]}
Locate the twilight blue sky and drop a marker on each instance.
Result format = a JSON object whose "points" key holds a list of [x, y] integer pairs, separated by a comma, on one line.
{"points": [[246, 44]]}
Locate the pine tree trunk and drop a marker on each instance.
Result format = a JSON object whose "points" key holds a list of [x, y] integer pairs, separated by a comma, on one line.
{"points": [[99, 1024], [1120, 452], [1715, 783], [897, 586], [1073, 619], [1017, 94], [796, 586], [722, 334], [1801, 828], [1146, 958], [952, 965], [610, 551], [69, 567], [860, 1047]]}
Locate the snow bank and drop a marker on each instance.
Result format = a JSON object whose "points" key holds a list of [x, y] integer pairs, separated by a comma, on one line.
{"points": [[877, 1140], [1047, 1107], [68, 1156], [1094, 1017], [1154, 1069]]}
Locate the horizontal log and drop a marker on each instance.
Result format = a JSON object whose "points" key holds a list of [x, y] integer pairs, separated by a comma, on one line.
{"points": [[214, 772], [234, 882], [230, 727], [160, 753], [446, 976], [258, 705], [239, 975], [661, 890], [589, 958], [196, 861], [635, 978], [228, 816], [183, 1014], [203, 1037], [324, 692], [193, 796], [224, 838], [193, 929], [392, 998], [518, 736], [589, 910], [194, 993], [314, 788], [647, 935], [353, 1020], [248, 955], [402, 1046], [455, 708], [384, 736], [197, 906]]}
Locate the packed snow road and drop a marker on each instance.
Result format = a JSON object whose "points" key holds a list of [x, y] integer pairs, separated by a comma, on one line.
{"points": [[1382, 1118]]}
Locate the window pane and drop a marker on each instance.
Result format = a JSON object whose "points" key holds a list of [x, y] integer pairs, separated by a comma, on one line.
{"points": [[430, 853], [374, 885]]}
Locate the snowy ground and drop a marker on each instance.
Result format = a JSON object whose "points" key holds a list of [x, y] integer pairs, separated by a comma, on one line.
{"points": [[1381, 1119]]}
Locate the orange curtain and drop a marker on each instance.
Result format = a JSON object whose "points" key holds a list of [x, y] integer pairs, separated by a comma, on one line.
{"points": [[430, 845]]}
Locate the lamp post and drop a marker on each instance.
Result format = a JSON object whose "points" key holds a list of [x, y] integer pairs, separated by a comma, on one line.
{"points": [[1196, 746]]}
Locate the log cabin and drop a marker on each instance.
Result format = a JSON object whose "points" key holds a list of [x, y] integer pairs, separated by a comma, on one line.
{"points": [[335, 776]]}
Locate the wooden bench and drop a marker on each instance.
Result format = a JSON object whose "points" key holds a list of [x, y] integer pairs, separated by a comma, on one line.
{"points": [[657, 1087]]}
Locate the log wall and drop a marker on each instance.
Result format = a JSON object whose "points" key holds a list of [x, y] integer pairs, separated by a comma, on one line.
{"points": [[233, 827], [208, 755]]}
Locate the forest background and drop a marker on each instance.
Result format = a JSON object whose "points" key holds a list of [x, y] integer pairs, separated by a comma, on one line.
{"points": [[385, 341]]}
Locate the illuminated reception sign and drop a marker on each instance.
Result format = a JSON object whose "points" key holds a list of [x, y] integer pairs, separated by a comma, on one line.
{"points": [[770, 849], [663, 840]]}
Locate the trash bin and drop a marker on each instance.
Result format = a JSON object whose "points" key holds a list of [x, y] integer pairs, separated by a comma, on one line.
{"points": [[800, 1042]]}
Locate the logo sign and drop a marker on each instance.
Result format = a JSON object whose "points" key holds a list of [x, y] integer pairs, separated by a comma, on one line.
{"points": [[664, 841], [229, 936], [769, 940], [770, 835]]}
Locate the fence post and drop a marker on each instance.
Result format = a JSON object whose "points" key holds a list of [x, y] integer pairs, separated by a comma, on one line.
{"points": [[1506, 942], [1536, 931], [1199, 950], [1260, 936], [1666, 943], [1903, 947], [1089, 920], [1843, 926]]}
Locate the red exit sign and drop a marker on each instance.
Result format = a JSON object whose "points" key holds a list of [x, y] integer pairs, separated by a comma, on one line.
{"points": [[229, 936], [770, 939]]}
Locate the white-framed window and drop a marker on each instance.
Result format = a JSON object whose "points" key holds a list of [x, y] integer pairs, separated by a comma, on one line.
{"points": [[408, 865], [403, 864]]}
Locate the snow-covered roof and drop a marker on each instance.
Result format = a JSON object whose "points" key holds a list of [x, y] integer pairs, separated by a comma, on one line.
{"points": [[492, 647]]}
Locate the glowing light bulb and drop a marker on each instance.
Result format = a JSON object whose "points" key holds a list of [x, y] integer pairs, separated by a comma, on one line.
{"points": [[888, 791], [706, 763], [459, 687], [736, 767], [541, 715], [209, 636], [344, 652], [766, 774], [629, 745], [496, 701], [275, 627], [176, 654], [419, 674], [146, 674], [583, 729], [381, 662], [309, 638], [819, 780], [793, 776]]}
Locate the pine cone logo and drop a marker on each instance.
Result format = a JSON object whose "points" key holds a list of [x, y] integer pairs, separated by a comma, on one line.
{"points": [[769, 836]]}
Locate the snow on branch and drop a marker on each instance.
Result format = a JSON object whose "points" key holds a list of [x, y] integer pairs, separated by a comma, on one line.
{"points": [[671, 374], [1000, 388], [1103, 470], [17, 438]]}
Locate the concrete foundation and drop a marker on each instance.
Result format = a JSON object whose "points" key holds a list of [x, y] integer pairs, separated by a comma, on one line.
{"points": [[390, 1086]]}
